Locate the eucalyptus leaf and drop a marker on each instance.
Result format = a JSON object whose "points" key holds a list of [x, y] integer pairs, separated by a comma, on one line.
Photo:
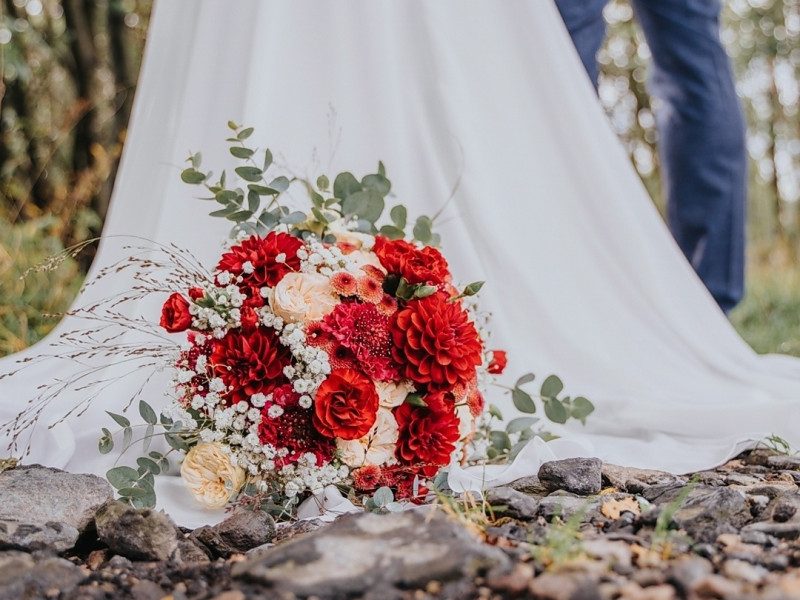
{"points": [[294, 218], [500, 440], [520, 423], [382, 496], [249, 173], [244, 134], [344, 185], [323, 182], [122, 477], [226, 196], [422, 229], [491, 453], [399, 215], [267, 159], [381, 169], [224, 212], [280, 183], [127, 438], [366, 204], [317, 200], [267, 219], [581, 408], [555, 411], [551, 387], [106, 443], [253, 201], [394, 507], [377, 183], [232, 125], [261, 190], [120, 420], [241, 152], [239, 216], [192, 176], [391, 232], [176, 442], [319, 215], [523, 401], [132, 492], [148, 465], [148, 438], [147, 413], [440, 481], [527, 378], [495, 412], [196, 159]]}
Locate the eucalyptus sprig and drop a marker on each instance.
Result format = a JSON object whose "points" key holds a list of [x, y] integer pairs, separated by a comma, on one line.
{"points": [[256, 206]]}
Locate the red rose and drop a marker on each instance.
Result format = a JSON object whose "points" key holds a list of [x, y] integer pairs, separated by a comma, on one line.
{"points": [[269, 258], [427, 438], [426, 265], [499, 362], [175, 315], [346, 405], [249, 361], [436, 342], [196, 293]]}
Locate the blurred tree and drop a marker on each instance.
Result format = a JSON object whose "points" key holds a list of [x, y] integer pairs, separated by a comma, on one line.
{"points": [[69, 69]]}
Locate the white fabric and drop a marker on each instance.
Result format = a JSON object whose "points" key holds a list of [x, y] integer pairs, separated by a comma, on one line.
{"points": [[583, 279]]}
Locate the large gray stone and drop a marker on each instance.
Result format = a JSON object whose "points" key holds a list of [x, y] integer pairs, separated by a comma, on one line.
{"points": [[582, 476], [508, 502], [362, 552], [707, 515], [38, 495], [628, 479], [138, 534]]}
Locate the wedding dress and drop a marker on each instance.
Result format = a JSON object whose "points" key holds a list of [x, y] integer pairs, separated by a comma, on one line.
{"points": [[484, 102]]}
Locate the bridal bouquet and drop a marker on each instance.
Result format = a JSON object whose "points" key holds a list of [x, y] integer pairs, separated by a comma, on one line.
{"points": [[324, 348]]}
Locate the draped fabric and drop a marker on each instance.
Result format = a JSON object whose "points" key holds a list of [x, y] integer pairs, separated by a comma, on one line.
{"points": [[482, 113]]}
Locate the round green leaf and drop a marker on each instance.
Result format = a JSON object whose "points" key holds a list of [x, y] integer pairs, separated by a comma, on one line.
{"points": [[520, 423], [119, 419], [148, 465], [527, 378], [382, 496], [377, 183], [523, 401], [323, 182], [241, 152], [249, 173], [581, 408], [192, 176], [132, 492], [555, 411], [281, 184], [422, 229], [500, 440], [147, 413], [106, 443], [122, 477], [399, 215], [551, 387], [344, 185]]}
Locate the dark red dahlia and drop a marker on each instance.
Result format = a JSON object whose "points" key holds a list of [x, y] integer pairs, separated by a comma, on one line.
{"points": [[269, 258], [435, 342], [427, 438], [249, 361]]}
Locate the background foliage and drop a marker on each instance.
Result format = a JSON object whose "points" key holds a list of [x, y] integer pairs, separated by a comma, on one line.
{"points": [[68, 74]]}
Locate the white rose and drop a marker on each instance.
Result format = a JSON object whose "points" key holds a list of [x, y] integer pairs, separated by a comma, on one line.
{"points": [[302, 297], [360, 258], [375, 448], [210, 476], [391, 394]]}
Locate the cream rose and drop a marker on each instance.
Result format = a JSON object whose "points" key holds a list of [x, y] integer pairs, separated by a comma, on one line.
{"points": [[210, 476], [375, 448], [391, 394], [302, 297], [358, 259], [356, 238]]}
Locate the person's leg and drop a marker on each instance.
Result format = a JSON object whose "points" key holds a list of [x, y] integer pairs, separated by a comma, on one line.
{"points": [[584, 21], [701, 140]]}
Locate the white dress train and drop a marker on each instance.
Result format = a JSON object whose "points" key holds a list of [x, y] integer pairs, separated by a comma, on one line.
{"points": [[583, 279]]}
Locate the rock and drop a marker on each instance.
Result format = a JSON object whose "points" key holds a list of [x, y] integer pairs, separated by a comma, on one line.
{"points": [[138, 534], [244, 530], [516, 504], [146, 590], [564, 586], [744, 571], [26, 536], [784, 461], [38, 495], [361, 552], [614, 554], [716, 586], [191, 551], [27, 579], [784, 507], [565, 506], [706, 515], [784, 531], [511, 583], [529, 485], [581, 476], [627, 479], [687, 571]]}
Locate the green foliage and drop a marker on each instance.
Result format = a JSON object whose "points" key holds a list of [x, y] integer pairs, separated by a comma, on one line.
{"points": [[382, 501], [561, 541]]}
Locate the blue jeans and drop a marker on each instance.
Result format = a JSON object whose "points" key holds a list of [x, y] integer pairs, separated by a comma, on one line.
{"points": [[700, 126]]}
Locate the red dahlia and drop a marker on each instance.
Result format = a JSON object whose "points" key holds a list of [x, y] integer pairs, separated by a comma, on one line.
{"points": [[427, 438], [262, 253], [425, 265], [436, 342], [249, 361]]}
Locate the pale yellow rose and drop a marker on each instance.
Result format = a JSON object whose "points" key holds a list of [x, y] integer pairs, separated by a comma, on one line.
{"points": [[375, 448], [391, 394], [210, 476], [302, 297], [356, 238]]}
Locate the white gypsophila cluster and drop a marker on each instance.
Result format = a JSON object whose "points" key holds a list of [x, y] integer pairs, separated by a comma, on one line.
{"points": [[177, 413], [312, 365], [306, 475], [224, 313], [319, 259]]}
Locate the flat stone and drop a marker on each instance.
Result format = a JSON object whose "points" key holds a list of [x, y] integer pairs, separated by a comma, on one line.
{"points": [[686, 571], [784, 461], [564, 586], [529, 485], [137, 534], [744, 571], [38, 495], [706, 515], [514, 504], [565, 506], [361, 552], [784, 531], [716, 586], [628, 479], [581, 476], [41, 536]]}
